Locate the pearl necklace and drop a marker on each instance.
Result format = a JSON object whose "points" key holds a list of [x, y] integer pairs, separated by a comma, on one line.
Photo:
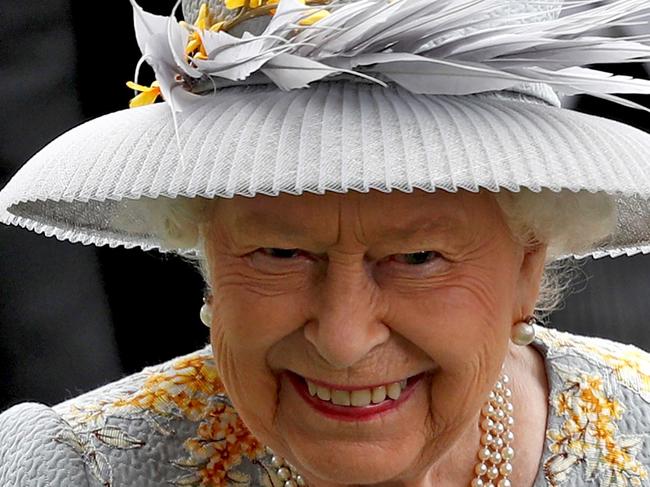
{"points": [[494, 456], [285, 471], [496, 450]]}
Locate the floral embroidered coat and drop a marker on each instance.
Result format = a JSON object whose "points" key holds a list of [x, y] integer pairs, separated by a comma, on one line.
{"points": [[173, 424]]}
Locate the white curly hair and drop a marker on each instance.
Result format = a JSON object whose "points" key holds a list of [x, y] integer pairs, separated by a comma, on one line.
{"points": [[568, 222]]}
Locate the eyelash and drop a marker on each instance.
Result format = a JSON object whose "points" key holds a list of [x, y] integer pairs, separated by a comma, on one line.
{"points": [[266, 251], [428, 252]]}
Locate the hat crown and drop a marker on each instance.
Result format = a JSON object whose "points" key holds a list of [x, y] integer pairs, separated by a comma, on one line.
{"points": [[505, 12]]}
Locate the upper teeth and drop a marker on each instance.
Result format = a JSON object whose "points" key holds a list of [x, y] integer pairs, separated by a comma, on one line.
{"points": [[359, 397]]}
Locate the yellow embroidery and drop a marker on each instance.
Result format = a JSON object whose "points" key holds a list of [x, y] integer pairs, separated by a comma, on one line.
{"points": [[186, 388], [189, 389], [629, 364], [589, 435], [221, 443]]}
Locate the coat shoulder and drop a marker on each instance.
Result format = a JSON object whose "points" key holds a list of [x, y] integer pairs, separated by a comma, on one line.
{"points": [[623, 365], [33, 450], [599, 411], [169, 424]]}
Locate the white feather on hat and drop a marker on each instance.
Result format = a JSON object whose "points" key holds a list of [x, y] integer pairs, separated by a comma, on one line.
{"points": [[437, 47]]}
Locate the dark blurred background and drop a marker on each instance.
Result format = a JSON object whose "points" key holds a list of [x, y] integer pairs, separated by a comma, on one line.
{"points": [[74, 317]]}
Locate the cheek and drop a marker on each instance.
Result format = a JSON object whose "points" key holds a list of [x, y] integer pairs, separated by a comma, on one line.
{"points": [[463, 325], [246, 326], [253, 308], [454, 318]]}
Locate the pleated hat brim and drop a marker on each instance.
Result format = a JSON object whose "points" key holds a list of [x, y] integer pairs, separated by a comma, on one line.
{"points": [[96, 183]]}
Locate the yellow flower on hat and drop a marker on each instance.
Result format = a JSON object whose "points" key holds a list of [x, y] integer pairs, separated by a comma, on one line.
{"points": [[217, 27], [233, 4], [273, 2], [313, 18], [148, 94], [195, 47]]}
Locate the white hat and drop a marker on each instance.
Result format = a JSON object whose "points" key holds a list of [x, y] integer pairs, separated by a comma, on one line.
{"points": [[352, 95]]}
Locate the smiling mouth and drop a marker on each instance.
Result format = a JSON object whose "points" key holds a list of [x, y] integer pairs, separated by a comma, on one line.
{"points": [[354, 404]]}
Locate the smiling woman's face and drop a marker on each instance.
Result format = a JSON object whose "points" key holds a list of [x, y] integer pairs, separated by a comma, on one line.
{"points": [[381, 287]]}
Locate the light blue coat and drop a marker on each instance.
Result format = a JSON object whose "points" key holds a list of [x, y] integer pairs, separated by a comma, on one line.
{"points": [[173, 424]]}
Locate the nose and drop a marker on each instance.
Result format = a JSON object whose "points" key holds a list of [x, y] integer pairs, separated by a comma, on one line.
{"points": [[348, 322]]}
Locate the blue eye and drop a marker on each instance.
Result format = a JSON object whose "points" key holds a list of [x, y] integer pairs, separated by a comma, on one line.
{"points": [[417, 258]]}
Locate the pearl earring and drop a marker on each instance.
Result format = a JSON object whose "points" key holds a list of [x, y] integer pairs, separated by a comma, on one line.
{"points": [[523, 332], [206, 314]]}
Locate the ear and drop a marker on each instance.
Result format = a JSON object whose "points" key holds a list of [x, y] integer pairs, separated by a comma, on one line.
{"points": [[530, 277]]}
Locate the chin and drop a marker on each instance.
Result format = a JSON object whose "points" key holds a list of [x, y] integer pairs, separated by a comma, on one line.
{"points": [[353, 463], [383, 445]]}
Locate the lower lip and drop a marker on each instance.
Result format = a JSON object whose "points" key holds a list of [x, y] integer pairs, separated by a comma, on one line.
{"points": [[352, 413]]}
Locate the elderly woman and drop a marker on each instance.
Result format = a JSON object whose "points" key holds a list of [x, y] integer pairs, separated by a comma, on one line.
{"points": [[378, 194]]}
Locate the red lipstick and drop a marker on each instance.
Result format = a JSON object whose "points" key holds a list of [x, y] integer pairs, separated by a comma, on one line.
{"points": [[352, 413]]}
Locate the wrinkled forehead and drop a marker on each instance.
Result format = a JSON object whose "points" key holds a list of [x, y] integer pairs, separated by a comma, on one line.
{"points": [[373, 215]]}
